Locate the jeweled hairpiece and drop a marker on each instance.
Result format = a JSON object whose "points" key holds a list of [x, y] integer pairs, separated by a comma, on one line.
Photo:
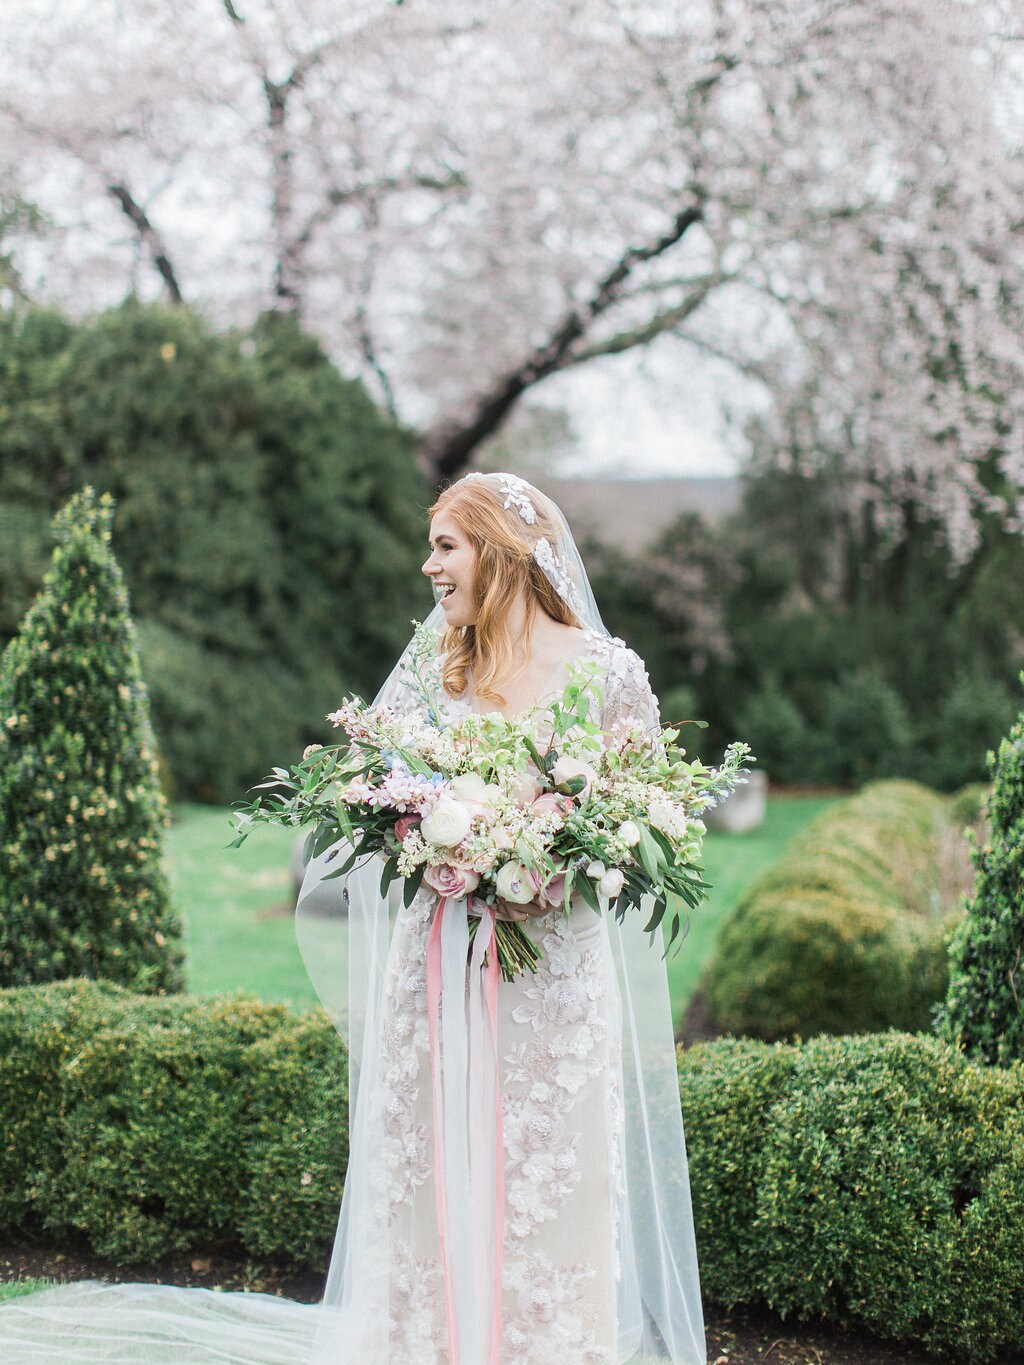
{"points": [[517, 494]]}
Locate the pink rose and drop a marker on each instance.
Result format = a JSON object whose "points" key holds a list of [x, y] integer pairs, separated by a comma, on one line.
{"points": [[403, 826], [567, 768], [529, 786], [552, 804], [454, 882], [550, 892]]}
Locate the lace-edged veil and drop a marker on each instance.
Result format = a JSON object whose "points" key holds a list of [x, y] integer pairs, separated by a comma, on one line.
{"points": [[344, 928]]}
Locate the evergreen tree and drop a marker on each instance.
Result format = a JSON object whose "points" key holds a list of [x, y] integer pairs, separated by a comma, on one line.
{"points": [[270, 522], [82, 892], [984, 1008]]}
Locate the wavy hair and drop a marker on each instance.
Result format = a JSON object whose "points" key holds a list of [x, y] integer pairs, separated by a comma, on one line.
{"points": [[504, 571]]}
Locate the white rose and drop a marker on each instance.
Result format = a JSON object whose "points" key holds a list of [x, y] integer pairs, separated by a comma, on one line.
{"points": [[514, 884], [611, 883], [596, 870], [447, 824], [468, 787], [629, 833]]}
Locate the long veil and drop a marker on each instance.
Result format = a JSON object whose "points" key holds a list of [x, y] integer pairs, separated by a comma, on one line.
{"points": [[344, 937], [344, 930]]}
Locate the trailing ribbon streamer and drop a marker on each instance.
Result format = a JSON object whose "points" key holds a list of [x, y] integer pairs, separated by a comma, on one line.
{"points": [[469, 1168]]}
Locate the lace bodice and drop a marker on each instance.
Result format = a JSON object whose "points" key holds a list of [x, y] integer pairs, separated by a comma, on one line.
{"points": [[627, 693]]}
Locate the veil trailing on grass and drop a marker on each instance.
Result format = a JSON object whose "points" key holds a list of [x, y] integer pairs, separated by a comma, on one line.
{"points": [[345, 939], [345, 928]]}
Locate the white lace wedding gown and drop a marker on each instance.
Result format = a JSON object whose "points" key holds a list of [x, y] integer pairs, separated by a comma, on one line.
{"points": [[598, 1264]]}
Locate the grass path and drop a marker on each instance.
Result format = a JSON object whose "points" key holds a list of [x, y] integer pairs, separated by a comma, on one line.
{"points": [[237, 907], [237, 903], [16, 1288], [731, 862]]}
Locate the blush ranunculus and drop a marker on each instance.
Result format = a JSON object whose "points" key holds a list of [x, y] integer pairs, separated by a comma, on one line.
{"points": [[529, 787], [455, 882], [552, 804]]}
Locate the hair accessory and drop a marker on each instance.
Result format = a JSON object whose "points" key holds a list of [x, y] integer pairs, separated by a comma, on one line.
{"points": [[558, 572], [517, 493]]}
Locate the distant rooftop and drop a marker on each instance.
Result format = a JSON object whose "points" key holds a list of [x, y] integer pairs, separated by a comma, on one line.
{"points": [[630, 513]]}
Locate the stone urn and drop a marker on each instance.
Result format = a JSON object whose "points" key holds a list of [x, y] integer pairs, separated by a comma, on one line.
{"points": [[744, 809]]}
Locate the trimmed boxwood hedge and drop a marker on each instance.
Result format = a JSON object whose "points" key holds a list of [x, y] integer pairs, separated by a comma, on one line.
{"points": [[156, 1125], [876, 1181], [847, 931]]}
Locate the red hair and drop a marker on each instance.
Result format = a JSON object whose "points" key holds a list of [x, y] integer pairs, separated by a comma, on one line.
{"points": [[505, 570]]}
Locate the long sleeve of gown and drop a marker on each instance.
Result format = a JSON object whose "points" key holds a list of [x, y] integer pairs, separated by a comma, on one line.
{"points": [[627, 689]]}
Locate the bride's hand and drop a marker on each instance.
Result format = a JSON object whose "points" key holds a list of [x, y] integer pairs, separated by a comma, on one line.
{"points": [[516, 914]]}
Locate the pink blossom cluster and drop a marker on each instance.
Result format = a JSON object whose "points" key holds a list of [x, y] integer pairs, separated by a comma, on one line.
{"points": [[397, 791], [355, 720]]}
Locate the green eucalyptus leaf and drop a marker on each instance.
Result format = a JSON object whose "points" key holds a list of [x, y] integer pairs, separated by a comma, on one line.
{"points": [[657, 915], [650, 854], [413, 884], [588, 891], [388, 874]]}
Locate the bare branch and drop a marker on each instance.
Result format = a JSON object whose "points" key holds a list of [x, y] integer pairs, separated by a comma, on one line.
{"points": [[150, 238], [665, 321], [447, 449], [335, 197]]}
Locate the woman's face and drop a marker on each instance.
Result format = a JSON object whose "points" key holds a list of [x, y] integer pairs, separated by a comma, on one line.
{"points": [[451, 567]]}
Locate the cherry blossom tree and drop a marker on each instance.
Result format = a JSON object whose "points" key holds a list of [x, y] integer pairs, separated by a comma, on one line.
{"points": [[468, 199]]}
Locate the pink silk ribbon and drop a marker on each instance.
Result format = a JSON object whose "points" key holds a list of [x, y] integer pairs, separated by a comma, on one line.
{"points": [[466, 1085]]}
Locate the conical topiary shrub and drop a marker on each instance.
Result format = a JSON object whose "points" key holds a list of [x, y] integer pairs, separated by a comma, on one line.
{"points": [[984, 1008], [82, 892]]}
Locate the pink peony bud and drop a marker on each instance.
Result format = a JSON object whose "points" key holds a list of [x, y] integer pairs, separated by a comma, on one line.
{"points": [[567, 768], [403, 826]]}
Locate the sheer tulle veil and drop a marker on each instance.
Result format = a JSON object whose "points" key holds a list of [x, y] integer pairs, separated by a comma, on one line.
{"points": [[344, 928]]}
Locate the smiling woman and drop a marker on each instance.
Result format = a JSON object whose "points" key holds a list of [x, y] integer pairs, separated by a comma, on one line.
{"points": [[510, 624], [451, 570], [556, 1226]]}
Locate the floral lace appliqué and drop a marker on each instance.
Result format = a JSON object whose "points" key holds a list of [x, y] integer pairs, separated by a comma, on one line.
{"points": [[564, 1005], [550, 1313]]}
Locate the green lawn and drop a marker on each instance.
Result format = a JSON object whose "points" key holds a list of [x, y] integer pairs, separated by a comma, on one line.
{"points": [[237, 903], [731, 862], [17, 1288]]}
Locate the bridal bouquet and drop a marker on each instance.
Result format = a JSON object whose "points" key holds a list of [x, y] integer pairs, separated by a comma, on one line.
{"points": [[520, 814]]}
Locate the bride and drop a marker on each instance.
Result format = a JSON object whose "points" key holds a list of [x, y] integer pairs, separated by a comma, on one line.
{"points": [[517, 1189]]}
